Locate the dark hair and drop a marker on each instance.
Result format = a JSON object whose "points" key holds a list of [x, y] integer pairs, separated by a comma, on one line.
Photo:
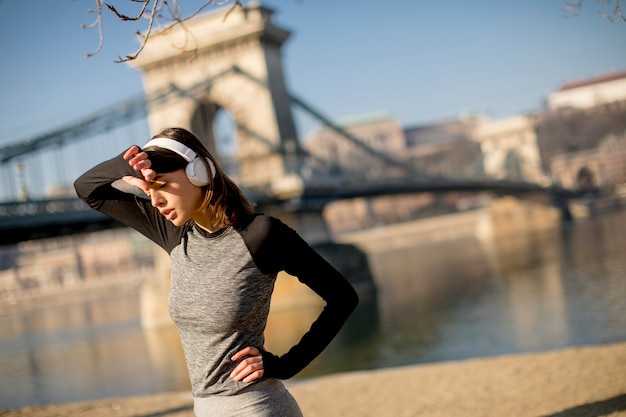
{"points": [[223, 200]]}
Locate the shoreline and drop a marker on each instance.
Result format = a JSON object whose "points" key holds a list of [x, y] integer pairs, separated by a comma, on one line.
{"points": [[92, 291], [574, 382]]}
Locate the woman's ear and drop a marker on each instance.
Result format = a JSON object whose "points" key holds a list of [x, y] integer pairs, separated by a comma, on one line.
{"points": [[197, 172]]}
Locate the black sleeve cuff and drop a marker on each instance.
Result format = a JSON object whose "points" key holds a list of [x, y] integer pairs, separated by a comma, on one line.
{"points": [[272, 367]]}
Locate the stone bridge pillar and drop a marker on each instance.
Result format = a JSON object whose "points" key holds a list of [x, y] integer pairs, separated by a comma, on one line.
{"points": [[510, 149], [228, 61]]}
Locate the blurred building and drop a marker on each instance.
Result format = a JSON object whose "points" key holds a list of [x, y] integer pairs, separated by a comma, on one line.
{"points": [[603, 166], [380, 133], [590, 92], [582, 134], [51, 264], [440, 149], [445, 149]]}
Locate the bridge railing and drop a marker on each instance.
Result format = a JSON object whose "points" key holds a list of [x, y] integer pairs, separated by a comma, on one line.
{"points": [[27, 220], [21, 209]]}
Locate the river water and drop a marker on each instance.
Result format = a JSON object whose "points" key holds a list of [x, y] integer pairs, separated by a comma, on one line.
{"points": [[529, 291]]}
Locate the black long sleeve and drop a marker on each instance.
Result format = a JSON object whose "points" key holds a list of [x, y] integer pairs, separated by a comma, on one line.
{"points": [[281, 248], [96, 188]]}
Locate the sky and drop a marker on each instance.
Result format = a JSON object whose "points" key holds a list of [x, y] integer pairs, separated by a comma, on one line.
{"points": [[421, 62]]}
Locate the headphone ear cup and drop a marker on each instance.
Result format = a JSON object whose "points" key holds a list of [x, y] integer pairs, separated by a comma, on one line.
{"points": [[197, 173]]}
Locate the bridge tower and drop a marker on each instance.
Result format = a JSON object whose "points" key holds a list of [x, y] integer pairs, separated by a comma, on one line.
{"points": [[510, 149], [231, 60]]}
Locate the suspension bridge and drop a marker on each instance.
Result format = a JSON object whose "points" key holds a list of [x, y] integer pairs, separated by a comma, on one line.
{"points": [[50, 161], [273, 169]]}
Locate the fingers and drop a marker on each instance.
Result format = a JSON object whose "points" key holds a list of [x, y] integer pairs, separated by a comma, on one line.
{"points": [[140, 161], [250, 368], [130, 152], [247, 351], [148, 174], [137, 159]]}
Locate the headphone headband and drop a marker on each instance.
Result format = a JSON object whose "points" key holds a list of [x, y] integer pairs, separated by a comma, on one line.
{"points": [[172, 145], [196, 170]]}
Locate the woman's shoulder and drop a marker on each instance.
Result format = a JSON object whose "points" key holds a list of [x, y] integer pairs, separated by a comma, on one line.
{"points": [[270, 241], [264, 230], [262, 225]]}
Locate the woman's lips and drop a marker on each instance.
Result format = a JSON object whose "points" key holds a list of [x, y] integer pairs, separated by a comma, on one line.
{"points": [[168, 214]]}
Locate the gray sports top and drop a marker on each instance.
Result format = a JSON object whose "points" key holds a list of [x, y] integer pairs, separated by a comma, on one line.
{"points": [[222, 283]]}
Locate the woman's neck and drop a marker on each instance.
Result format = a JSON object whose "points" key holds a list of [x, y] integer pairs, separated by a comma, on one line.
{"points": [[208, 223], [211, 228]]}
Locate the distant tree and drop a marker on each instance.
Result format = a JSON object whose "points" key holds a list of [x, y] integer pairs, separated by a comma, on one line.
{"points": [[160, 14], [615, 13]]}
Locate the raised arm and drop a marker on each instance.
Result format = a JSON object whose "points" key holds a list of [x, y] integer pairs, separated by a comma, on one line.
{"points": [[104, 189]]}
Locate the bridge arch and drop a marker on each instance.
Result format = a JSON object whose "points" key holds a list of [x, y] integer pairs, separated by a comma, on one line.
{"points": [[228, 61], [202, 122], [510, 150], [585, 179], [513, 165]]}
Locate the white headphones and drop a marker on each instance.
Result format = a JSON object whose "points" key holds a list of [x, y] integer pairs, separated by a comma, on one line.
{"points": [[196, 170]]}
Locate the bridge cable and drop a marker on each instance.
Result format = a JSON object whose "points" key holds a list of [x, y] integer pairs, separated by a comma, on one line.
{"points": [[136, 107]]}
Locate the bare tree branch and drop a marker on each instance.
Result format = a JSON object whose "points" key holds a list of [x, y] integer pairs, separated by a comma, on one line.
{"points": [[164, 14], [146, 36], [616, 15], [98, 23], [573, 7], [124, 17]]}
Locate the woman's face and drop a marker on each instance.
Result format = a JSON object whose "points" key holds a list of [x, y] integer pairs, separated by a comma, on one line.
{"points": [[177, 199]]}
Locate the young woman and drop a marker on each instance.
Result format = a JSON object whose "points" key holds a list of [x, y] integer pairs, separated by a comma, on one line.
{"points": [[224, 261]]}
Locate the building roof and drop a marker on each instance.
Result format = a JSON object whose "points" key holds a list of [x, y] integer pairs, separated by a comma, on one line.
{"points": [[594, 80], [364, 119]]}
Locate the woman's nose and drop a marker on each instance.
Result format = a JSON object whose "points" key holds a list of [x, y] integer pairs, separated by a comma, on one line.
{"points": [[155, 199]]}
